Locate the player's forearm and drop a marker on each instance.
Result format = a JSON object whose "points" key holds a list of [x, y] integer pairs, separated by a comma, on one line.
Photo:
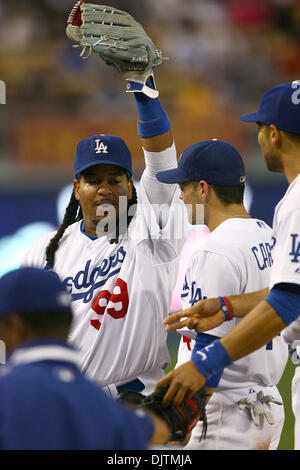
{"points": [[153, 124], [159, 194], [243, 304], [257, 328], [158, 143], [155, 132]]}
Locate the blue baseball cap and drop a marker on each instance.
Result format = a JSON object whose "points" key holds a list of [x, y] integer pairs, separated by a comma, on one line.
{"points": [[213, 161], [32, 290], [100, 149], [280, 106]]}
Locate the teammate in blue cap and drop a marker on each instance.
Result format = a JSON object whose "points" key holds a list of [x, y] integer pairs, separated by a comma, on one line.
{"points": [[270, 310], [233, 259], [46, 402]]}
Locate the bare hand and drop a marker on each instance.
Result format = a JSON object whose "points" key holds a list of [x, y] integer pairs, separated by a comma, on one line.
{"points": [[204, 315], [183, 382]]}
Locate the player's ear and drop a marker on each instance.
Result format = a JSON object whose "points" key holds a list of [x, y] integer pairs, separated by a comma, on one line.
{"points": [[203, 189], [275, 135], [76, 187]]}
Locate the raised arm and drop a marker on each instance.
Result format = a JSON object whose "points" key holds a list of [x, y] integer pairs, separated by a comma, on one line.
{"points": [[154, 129], [123, 43]]}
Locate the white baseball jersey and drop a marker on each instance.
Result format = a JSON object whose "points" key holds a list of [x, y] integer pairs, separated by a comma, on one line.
{"points": [[236, 258], [291, 335], [296, 407], [286, 268], [286, 226], [122, 292]]}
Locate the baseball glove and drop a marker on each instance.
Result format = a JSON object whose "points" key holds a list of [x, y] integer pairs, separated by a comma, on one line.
{"points": [[181, 419], [118, 39]]}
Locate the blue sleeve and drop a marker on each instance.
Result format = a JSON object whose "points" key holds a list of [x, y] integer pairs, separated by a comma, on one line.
{"points": [[146, 424], [202, 340], [284, 298], [137, 429]]}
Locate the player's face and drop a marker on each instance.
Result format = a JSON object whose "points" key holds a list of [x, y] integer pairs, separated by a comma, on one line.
{"points": [[273, 158], [99, 190], [192, 199]]}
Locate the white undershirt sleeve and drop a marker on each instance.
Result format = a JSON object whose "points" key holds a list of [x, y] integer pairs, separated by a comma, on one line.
{"points": [[157, 192]]}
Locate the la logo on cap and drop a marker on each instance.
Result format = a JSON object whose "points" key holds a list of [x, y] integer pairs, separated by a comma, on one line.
{"points": [[100, 147]]}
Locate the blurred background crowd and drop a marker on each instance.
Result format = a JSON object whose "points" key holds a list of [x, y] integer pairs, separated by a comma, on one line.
{"points": [[221, 55]]}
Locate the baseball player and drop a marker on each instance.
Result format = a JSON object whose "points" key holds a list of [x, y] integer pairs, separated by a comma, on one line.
{"points": [[278, 136], [120, 275], [46, 402], [234, 258]]}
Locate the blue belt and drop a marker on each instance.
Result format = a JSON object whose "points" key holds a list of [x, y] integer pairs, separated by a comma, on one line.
{"points": [[135, 385]]}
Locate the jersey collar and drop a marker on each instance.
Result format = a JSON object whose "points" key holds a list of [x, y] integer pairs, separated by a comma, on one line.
{"points": [[91, 237]]}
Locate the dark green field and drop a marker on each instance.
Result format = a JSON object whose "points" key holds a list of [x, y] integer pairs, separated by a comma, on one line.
{"points": [[287, 437]]}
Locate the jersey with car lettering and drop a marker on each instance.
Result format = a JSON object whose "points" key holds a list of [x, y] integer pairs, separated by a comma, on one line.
{"points": [[286, 226], [236, 258], [121, 292]]}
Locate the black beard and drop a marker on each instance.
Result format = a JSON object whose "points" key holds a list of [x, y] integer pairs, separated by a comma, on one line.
{"points": [[274, 163]]}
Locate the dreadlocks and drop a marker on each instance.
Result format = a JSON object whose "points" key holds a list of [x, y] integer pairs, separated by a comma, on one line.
{"points": [[73, 214]]}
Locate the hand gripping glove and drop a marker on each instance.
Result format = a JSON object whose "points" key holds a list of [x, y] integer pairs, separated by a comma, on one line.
{"points": [[259, 405], [119, 40], [181, 419]]}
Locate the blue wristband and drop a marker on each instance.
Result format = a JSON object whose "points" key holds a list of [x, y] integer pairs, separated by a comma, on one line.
{"points": [[148, 108], [154, 127], [210, 359], [202, 340], [152, 118]]}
